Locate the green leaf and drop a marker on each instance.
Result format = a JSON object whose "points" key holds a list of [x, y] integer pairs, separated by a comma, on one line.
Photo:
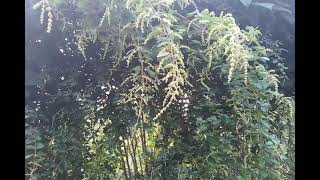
{"points": [[174, 34], [136, 69], [212, 119], [204, 21], [141, 3], [272, 137], [154, 33], [82, 4], [265, 5], [39, 145], [28, 156], [265, 124], [205, 85], [147, 97], [191, 13], [288, 17], [264, 106], [261, 85], [151, 73], [226, 118], [163, 43], [205, 12], [171, 17], [264, 174], [196, 42], [258, 115], [275, 139], [240, 178], [246, 2], [28, 147], [269, 143], [162, 54], [265, 58], [279, 8], [57, 2]]}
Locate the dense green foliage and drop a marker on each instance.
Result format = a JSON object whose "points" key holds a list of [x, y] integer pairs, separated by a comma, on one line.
{"points": [[158, 92]]}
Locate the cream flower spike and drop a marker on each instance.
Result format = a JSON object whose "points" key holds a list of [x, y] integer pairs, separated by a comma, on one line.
{"points": [[50, 17]]}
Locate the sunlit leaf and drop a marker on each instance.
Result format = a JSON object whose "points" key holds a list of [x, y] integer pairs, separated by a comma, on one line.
{"points": [[29, 156], [264, 5], [246, 2]]}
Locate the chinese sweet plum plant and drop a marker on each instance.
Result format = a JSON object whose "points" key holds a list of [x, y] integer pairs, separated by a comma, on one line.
{"points": [[161, 90]]}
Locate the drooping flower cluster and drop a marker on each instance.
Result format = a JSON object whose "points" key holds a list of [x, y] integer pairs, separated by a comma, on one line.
{"points": [[106, 14], [45, 6], [50, 16]]}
